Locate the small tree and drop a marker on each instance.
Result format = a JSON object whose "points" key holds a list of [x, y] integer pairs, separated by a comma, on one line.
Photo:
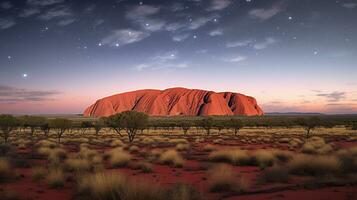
{"points": [[7, 124], [207, 124], [309, 124], [354, 126], [60, 126], [185, 126], [33, 123], [133, 121], [115, 122], [85, 126], [99, 125], [45, 127], [236, 125], [220, 125]]}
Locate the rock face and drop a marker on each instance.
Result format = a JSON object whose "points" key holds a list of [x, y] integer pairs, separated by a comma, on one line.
{"points": [[176, 101]]}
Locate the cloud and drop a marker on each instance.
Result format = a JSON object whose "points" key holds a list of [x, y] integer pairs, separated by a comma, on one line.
{"points": [[158, 66], [266, 13], [6, 5], [262, 45], [174, 26], [57, 12], [219, 5], [142, 11], [162, 61], [241, 43], [199, 22], [10, 94], [44, 2], [142, 15], [349, 5], [7, 23], [236, 59], [216, 32], [29, 12], [333, 96], [66, 22], [123, 37], [181, 37]]}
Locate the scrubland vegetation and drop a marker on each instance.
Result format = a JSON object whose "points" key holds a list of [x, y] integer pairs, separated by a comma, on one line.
{"points": [[131, 157]]}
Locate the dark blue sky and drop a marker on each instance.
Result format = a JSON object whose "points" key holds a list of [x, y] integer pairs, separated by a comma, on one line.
{"points": [[58, 56]]}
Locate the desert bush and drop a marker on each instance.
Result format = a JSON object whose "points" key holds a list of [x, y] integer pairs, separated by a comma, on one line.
{"points": [[109, 186], [348, 160], [55, 178], [182, 147], [178, 141], [145, 167], [171, 157], [313, 165], [263, 158], [316, 145], [38, 173], [119, 158], [282, 156], [217, 141], [295, 142], [147, 141], [233, 156], [5, 170], [276, 174], [182, 191], [77, 165], [117, 143], [209, 148], [133, 148]]}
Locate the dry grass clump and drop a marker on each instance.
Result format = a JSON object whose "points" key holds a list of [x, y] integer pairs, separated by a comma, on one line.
{"points": [[38, 173], [133, 148], [145, 167], [109, 186], [263, 158], [77, 165], [182, 147], [178, 141], [55, 178], [222, 179], [119, 158], [233, 156], [217, 141], [5, 170], [295, 142], [171, 157], [154, 154], [8, 194], [199, 140], [316, 145], [47, 143], [314, 165], [183, 192], [54, 155], [348, 160], [147, 141], [209, 148], [282, 156], [276, 174], [117, 143]]}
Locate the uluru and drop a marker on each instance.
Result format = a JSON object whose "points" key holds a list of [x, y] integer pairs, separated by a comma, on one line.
{"points": [[175, 102]]}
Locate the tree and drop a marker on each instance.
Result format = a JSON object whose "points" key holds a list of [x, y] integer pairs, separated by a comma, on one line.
{"points": [[85, 125], [309, 124], [236, 125], [7, 124], [115, 122], [133, 121], [33, 123], [45, 127], [99, 125], [185, 126], [220, 125], [207, 124], [60, 126]]}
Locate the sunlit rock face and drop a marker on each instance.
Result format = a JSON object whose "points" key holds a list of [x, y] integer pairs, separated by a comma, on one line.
{"points": [[176, 101]]}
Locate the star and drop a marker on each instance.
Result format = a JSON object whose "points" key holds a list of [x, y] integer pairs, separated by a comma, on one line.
{"points": [[215, 20], [290, 18], [147, 24], [117, 44], [9, 57], [315, 52], [100, 44], [24, 75], [195, 36], [248, 0], [141, 3]]}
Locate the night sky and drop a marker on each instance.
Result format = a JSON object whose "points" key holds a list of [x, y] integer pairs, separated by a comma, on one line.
{"points": [[59, 56]]}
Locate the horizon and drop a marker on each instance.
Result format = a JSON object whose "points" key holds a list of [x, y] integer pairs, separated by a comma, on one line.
{"points": [[60, 56]]}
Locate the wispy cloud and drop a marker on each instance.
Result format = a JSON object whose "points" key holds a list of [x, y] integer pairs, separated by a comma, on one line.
{"points": [[44, 2], [123, 37], [266, 13], [10, 94], [162, 61], [333, 96], [219, 5], [7, 23], [27, 12], [201, 21], [216, 32], [6, 5], [66, 22], [236, 59], [143, 16], [180, 37], [349, 5], [240, 43], [57, 12], [264, 44]]}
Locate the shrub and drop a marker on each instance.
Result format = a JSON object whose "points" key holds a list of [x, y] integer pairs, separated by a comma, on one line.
{"points": [[171, 157], [263, 158], [38, 173], [55, 178], [221, 179], [77, 165], [282, 156], [233, 156], [119, 158], [217, 141], [348, 160], [178, 141], [313, 165], [316, 145], [182, 147], [117, 143], [109, 186], [209, 147], [275, 175], [183, 192], [133, 148], [5, 170]]}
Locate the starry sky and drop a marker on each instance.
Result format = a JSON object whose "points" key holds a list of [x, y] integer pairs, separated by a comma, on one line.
{"points": [[59, 56]]}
